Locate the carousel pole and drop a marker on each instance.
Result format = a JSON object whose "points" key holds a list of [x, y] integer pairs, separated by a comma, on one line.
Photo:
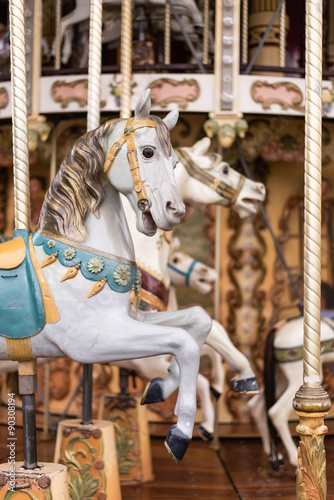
{"points": [[88, 433], [311, 402], [50, 480]]}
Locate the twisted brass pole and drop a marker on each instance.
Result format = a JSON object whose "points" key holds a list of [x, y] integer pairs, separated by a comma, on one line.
{"points": [[282, 40], [167, 34], [126, 58], [244, 39], [57, 42], [19, 116], [206, 12], [311, 401], [94, 64]]}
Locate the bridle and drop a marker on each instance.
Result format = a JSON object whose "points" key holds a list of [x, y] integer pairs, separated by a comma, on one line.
{"points": [[187, 273], [217, 185], [127, 137]]}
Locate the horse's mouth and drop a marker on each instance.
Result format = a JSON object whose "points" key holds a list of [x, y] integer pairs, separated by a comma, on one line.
{"points": [[251, 204], [148, 221]]}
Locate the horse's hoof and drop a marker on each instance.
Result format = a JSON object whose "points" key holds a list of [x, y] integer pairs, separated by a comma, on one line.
{"points": [[176, 443], [204, 434], [215, 393], [276, 464], [152, 392], [245, 386]]}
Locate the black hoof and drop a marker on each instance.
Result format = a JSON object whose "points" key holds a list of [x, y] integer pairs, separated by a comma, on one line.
{"points": [[277, 464], [204, 434], [215, 393], [152, 392], [245, 386], [176, 443]]}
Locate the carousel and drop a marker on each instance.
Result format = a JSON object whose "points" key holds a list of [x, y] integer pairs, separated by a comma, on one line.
{"points": [[166, 249]]}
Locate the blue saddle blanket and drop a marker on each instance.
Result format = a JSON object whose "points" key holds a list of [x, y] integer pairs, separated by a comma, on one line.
{"points": [[21, 301]]}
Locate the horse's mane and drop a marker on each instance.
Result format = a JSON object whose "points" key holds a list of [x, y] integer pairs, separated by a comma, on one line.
{"points": [[77, 186]]}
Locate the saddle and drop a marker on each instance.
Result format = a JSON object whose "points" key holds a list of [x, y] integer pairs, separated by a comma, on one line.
{"points": [[22, 310]]}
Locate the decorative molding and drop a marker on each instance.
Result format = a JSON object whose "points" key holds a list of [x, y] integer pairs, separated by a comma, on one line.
{"points": [[166, 90], [285, 94], [3, 98], [68, 92]]}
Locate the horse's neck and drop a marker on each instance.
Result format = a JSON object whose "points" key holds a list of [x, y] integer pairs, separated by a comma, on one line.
{"points": [[184, 182], [152, 253], [110, 233]]}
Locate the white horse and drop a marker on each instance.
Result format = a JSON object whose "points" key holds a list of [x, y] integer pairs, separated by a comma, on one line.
{"points": [[283, 378], [202, 177], [188, 11], [83, 254]]}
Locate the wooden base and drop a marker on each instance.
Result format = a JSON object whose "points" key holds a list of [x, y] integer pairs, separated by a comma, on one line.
{"points": [[132, 436], [89, 452], [47, 481]]}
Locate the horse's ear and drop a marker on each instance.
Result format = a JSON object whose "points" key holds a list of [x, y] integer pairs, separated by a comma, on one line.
{"points": [[175, 244], [171, 119], [143, 106], [202, 146]]}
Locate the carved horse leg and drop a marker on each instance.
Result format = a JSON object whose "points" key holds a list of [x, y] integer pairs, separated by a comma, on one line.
{"points": [[217, 371], [236, 361]]}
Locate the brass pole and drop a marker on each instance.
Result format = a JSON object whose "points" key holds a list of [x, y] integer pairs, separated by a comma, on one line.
{"points": [[311, 401], [126, 58]]}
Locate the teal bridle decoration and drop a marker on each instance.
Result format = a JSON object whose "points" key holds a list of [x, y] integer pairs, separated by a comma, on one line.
{"points": [[186, 274]]}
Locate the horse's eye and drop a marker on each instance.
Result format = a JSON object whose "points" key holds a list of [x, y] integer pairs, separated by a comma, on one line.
{"points": [[175, 260], [225, 170], [148, 153]]}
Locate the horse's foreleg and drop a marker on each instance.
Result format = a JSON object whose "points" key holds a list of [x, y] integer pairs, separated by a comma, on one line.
{"points": [[205, 428], [196, 322], [244, 381]]}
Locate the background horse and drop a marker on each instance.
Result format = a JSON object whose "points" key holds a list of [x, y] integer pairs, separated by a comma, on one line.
{"points": [[84, 256], [283, 376]]}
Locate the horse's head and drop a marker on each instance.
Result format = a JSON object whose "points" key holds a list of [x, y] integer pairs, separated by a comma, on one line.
{"points": [[210, 180], [184, 270], [143, 162]]}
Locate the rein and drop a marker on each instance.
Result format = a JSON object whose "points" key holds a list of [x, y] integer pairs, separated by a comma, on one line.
{"points": [[132, 155], [217, 185], [186, 274]]}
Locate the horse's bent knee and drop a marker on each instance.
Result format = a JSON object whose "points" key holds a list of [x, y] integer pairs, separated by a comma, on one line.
{"points": [[202, 319]]}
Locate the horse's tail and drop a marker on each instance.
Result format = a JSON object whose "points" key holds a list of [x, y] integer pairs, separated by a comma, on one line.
{"points": [[270, 391]]}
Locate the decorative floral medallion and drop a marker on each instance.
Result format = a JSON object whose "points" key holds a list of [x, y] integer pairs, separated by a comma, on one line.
{"points": [[51, 243], [69, 253], [122, 275], [95, 265], [138, 281]]}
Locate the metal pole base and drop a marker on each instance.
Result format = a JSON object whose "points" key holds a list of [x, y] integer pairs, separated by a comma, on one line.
{"points": [[47, 481], [131, 426], [89, 453]]}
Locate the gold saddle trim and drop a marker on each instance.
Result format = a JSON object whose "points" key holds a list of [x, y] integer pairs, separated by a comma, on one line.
{"points": [[12, 253]]}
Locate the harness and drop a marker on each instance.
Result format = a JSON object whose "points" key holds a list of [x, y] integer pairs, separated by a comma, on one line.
{"points": [[186, 274], [132, 155], [217, 185]]}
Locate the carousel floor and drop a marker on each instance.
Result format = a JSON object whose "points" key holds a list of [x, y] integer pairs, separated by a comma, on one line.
{"points": [[237, 471]]}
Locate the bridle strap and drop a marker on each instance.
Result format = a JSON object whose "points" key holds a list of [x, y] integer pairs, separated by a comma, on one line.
{"points": [[186, 274], [217, 185], [132, 155]]}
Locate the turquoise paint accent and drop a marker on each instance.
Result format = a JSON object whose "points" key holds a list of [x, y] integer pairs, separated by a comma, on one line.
{"points": [[82, 257], [21, 302]]}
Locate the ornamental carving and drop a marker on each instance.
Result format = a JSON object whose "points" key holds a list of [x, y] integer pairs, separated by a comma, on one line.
{"points": [[65, 93], [285, 94], [3, 98], [165, 91]]}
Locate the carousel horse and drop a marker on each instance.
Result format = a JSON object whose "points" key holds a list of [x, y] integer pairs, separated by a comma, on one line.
{"points": [[201, 177], [79, 266], [188, 11], [283, 376]]}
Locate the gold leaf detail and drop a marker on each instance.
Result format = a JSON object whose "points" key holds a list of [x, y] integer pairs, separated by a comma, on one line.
{"points": [[71, 273], [50, 259], [98, 286]]}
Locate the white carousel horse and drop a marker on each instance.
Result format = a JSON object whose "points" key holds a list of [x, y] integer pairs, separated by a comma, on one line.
{"points": [[83, 254], [204, 178], [283, 378], [188, 11]]}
